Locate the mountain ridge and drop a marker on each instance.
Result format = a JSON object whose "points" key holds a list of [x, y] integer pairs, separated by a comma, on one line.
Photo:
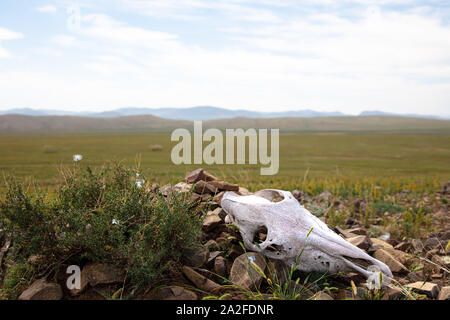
{"points": [[204, 113]]}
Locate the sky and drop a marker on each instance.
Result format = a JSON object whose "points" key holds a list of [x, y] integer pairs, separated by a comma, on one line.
{"points": [[265, 55]]}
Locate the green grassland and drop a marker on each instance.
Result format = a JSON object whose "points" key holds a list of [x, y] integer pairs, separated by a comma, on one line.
{"points": [[313, 162]]}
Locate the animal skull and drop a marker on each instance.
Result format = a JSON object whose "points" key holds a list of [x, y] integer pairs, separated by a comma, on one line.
{"points": [[288, 224]]}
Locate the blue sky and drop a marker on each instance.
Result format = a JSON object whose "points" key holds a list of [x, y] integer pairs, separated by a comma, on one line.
{"points": [[268, 55]]}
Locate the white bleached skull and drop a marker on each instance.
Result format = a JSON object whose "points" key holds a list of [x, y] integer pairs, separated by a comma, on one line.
{"points": [[288, 224]]}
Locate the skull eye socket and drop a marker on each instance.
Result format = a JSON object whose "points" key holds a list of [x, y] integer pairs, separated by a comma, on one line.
{"points": [[260, 235]]}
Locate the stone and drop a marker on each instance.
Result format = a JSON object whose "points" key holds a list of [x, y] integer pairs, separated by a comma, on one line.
{"points": [[417, 245], [415, 276], [102, 274], [210, 222], [358, 231], [243, 274], [182, 187], [173, 293], [403, 246], [194, 176], [445, 236], [235, 251], [42, 290], [166, 190], [362, 242], [212, 256], [243, 191], [220, 266], [427, 288], [444, 294], [394, 293], [390, 261], [220, 212], [322, 296], [325, 196], [202, 187], [218, 197], [380, 244], [212, 245], [200, 281], [224, 186], [199, 175], [432, 243], [195, 257]]}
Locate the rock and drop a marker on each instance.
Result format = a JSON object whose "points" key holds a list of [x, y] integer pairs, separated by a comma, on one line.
{"points": [[417, 245], [445, 236], [394, 293], [212, 256], [444, 294], [202, 187], [322, 296], [428, 288], [102, 274], [357, 231], [194, 176], [199, 280], [42, 290], [380, 244], [195, 257], [362, 242], [220, 266], [235, 251], [244, 192], [212, 245], [211, 221], [218, 197], [299, 195], [173, 293], [166, 190], [243, 274], [403, 246], [325, 196], [195, 198], [199, 175], [432, 243], [390, 261], [415, 276], [220, 212], [182, 187], [224, 186], [343, 232]]}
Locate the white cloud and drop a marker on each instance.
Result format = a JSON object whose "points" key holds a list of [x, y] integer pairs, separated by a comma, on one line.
{"points": [[47, 9], [6, 34], [65, 40]]}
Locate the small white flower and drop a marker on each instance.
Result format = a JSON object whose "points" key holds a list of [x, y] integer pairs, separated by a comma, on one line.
{"points": [[114, 221], [77, 157], [140, 183]]}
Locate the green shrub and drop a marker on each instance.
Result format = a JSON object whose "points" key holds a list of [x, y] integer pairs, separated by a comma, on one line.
{"points": [[103, 216]]}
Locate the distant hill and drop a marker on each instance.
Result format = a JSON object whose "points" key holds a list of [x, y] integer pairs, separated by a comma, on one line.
{"points": [[199, 113], [148, 123]]}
